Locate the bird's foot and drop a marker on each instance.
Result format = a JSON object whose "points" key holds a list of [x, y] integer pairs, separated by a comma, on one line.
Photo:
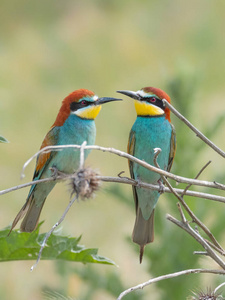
{"points": [[138, 183], [161, 187], [56, 172]]}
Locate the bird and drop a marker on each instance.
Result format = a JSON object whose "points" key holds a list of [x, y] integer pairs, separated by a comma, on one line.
{"points": [[152, 129], [74, 124]]}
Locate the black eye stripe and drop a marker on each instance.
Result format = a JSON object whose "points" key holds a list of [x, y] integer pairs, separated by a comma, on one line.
{"points": [[154, 100], [77, 105]]}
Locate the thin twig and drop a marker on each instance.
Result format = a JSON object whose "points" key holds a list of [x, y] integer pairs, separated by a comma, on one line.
{"points": [[82, 154], [194, 217], [199, 173], [169, 276], [199, 239], [126, 180], [52, 229], [219, 250], [200, 253], [193, 128], [132, 158], [184, 220], [215, 244], [219, 286], [122, 180], [181, 200]]}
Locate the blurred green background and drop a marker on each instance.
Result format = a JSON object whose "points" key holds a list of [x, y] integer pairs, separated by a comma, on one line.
{"points": [[50, 48]]}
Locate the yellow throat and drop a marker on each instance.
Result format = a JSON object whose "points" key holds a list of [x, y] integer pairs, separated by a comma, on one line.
{"points": [[147, 109], [90, 112]]}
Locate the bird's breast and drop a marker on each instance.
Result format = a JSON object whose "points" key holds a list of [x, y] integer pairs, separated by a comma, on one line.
{"points": [[151, 133], [74, 131]]}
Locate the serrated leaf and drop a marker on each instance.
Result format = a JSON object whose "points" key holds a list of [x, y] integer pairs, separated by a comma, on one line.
{"points": [[3, 140], [25, 246]]}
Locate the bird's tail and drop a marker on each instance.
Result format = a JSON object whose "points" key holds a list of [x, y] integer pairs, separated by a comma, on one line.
{"points": [[32, 214], [143, 232]]}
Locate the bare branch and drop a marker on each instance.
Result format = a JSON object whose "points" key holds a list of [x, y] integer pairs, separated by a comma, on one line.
{"points": [[52, 229], [199, 173], [200, 253], [84, 184], [184, 220], [193, 128], [126, 180], [82, 154], [132, 158], [194, 217], [181, 200], [199, 239], [169, 276], [122, 180], [219, 286], [218, 249]]}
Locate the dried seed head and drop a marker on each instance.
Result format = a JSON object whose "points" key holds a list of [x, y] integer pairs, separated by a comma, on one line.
{"points": [[208, 295], [85, 183]]}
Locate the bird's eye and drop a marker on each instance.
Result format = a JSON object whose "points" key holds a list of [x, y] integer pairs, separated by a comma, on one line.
{"points": [[153, 99], [83, 102]]}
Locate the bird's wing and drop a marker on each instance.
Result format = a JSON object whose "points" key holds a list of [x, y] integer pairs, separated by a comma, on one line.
{"points": [[42, 163], [43, 159], [172, 148], [130, 150]]}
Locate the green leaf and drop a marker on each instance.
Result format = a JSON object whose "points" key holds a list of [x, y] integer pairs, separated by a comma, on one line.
{"points": [[25, 246], [3, 140], [52, 295]]}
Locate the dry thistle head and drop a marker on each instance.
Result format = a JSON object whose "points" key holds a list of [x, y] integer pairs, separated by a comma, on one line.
{"points": [[85, 183], [208, 295]]}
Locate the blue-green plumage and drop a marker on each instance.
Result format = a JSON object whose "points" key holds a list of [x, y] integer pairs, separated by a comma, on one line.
{"points": [[74, 124], [150, 133], [152, 129], [74, 131]]}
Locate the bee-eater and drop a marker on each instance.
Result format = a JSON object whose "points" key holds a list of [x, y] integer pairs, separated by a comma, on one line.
{"points": [[152, 129], [74, 124]]}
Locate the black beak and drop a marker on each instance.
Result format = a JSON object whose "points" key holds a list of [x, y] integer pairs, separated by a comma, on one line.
{"points": [[130, 94], [103, 100]]}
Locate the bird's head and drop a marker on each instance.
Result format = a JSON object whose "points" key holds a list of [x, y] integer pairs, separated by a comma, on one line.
{"points": [[82, 103], [148, 102]]}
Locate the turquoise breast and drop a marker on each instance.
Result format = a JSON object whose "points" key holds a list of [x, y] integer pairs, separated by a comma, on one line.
{"points": [[151, 133], [74, 131]]}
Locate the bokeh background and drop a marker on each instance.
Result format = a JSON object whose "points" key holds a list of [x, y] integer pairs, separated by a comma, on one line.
{"points": [[50, 48]]}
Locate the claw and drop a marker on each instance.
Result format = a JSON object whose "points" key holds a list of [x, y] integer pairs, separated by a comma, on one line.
{"points": [[55, 172], [138, 183], [161, 187]]}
